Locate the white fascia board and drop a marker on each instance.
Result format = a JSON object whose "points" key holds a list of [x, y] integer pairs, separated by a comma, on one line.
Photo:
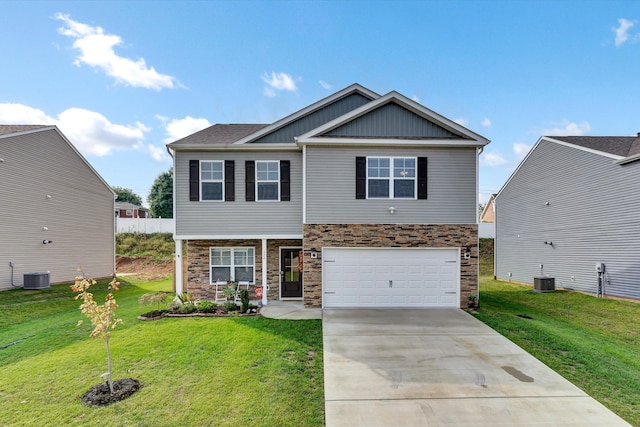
{"points": [[307, 110], [407, 103], [238, 236], [579, 147], [389, 142], [64, 138], [629, 159], [233, 147]]}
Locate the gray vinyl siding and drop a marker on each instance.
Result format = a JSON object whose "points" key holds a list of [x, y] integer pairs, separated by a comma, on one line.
{"points": [[592, 216], [315, 119], [79, 215], [331, 188], [238, 217], [394, 121]]}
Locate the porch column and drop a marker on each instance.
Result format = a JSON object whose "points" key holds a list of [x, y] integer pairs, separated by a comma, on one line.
{"points": [[178, 260], [264, 272]]}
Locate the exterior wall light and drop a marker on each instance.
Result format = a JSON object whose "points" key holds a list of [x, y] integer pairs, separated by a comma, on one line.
{"points": [[47, 242], [314, 253], [392, 210]]}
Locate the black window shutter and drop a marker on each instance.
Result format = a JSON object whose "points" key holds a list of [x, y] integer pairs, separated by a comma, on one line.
{"points": [[194, 180], [361, 177], [285, 181], [250, 180], [229, 181], [422, 177]]}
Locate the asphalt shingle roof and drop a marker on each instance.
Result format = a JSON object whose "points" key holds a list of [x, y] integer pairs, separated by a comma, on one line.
{"points": [[624, 146], [7, 129], [220, 134]]}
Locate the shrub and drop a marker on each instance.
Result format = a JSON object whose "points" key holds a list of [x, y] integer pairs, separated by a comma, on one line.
{"points": [[206, 306], [230, 307], [244, 299], [157, 299]]}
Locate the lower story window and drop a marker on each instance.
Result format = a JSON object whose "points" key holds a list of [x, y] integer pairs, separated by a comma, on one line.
{"points": [[232, 264]]}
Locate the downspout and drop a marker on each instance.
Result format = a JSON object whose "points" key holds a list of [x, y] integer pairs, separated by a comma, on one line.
{"points": [[264, 272]]}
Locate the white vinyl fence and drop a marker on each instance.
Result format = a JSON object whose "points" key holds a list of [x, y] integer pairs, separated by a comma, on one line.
{"points": [[486, 229], [145, 225]]}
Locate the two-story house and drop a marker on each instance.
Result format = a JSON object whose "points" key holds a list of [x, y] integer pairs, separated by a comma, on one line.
{"points": [[358, 200]]}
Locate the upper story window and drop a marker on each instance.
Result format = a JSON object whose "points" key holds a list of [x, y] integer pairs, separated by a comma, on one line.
{"points": [[268, 180], [211, 180], [391, 177]]}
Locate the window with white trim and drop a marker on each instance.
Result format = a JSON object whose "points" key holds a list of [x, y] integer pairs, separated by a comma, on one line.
{"points": [[232, 264], [211, 180], [391, 177], [268, 180]]}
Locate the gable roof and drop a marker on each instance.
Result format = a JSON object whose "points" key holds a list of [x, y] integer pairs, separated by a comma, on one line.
{"points": [[307, 111], [9, 131], [428, 127]]}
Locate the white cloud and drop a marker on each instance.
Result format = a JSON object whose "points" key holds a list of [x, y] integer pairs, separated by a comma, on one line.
{"points": [[461, 121], [486, 123], [492, 159], [520, 149], [158, 154], [179, 128], [622, 31], [97, 50], [325, 85], [90, 132], [567, 128], [278, 82]]}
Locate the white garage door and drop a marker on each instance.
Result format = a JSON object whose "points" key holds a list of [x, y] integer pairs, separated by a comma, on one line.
{"points": [[364, 277]]}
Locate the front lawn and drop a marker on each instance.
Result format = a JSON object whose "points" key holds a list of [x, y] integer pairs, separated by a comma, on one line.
{"points": [[592, 342], [196, 371]]}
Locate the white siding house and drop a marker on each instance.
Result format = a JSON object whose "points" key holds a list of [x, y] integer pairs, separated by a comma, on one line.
{"points": [[57, 213]]}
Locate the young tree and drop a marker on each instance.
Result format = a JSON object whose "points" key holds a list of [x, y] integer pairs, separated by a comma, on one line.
{"points": [[161, 195], [127, 195], [102, 316]]}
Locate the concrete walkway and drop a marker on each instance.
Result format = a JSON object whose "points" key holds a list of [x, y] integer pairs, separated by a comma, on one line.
{"points": [[441, 367], [292, 310]]}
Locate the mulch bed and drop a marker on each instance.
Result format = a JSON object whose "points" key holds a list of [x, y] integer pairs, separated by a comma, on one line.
{"points": [[159, 314], [100, 395]]}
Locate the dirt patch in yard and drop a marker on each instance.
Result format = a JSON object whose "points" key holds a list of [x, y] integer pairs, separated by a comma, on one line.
{"points": [[146, 267]]}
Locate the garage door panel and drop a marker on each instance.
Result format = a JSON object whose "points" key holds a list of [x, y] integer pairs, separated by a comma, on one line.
{"points": [[419, 277]]}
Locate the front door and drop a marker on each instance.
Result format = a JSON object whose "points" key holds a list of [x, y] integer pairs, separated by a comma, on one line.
{"points": [[290, 274]]}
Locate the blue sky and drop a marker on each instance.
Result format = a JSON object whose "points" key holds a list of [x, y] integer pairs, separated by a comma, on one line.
{"points": [[122, 79]]}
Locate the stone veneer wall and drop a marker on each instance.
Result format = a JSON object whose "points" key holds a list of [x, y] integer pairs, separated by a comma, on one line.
{"points": [[318, 236], [198, 283]]}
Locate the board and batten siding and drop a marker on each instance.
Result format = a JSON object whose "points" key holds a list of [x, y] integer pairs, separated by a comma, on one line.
{"points": [[451, 186], [215, 218], [391, 120], [79, 215], [586, 205], [298, 127]]}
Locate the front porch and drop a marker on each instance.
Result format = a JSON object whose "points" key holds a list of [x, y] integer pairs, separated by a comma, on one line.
{"points": [[241, 260]]}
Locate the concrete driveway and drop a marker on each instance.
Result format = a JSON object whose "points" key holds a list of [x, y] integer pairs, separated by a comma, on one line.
{"points": [[441, 367]]}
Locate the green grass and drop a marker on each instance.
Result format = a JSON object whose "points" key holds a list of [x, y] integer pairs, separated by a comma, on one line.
{"points": [[159, 246], [194, 371], [594, 343]]}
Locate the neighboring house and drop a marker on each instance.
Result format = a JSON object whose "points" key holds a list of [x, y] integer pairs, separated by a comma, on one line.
{"points": [[488, 213], [572, 205], [358, 200], [129, 210], [57, 212]]}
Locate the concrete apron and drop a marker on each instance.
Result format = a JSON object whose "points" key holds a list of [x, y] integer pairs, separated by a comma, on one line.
{"points": [[441, 367]]}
